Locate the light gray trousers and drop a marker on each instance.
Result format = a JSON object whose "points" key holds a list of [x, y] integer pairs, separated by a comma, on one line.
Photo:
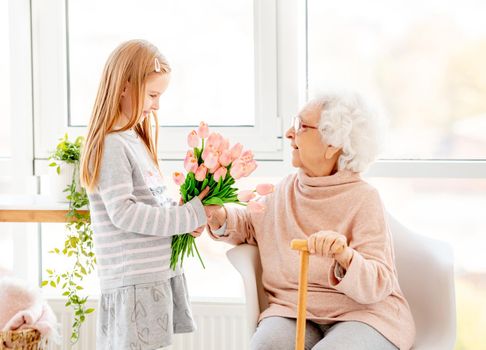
{"points": [[278, 333]]}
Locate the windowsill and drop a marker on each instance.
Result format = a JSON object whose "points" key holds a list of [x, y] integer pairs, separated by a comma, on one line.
{"points": [[194, 300]]}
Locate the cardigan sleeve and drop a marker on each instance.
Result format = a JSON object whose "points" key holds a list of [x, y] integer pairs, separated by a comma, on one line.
{"points": [[239, 227], [371, 274]]}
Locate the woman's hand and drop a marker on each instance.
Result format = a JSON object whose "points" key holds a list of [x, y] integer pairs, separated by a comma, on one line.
{"points": [[330, 244], [216, 216]]}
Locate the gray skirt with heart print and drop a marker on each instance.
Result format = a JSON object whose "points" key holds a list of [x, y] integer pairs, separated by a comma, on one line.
{"points": [[144, 316]]}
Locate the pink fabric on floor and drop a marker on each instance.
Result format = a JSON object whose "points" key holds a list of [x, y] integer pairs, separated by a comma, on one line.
{"points": [[22, 307]]}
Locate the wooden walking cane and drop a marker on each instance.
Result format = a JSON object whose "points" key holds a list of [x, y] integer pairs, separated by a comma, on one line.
{"points": [[301, 245]]}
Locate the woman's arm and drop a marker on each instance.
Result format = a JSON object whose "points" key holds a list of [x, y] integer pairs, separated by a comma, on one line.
{"points": [[370, 276], [362, 269], [231, 225]]}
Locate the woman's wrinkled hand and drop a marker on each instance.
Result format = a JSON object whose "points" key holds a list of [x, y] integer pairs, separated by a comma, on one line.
{"points": [[216, 216], [332, 245]]}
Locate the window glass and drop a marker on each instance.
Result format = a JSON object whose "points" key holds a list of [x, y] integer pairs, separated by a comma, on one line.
{"points": [[422, 62], [209, 45]]}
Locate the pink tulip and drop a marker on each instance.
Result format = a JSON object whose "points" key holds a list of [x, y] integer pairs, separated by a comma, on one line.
{"points": [[216, 167], [190, 153], [264, 189], [236, 151], [220, 173], [206, 152], [224, 144], [249, 168], [256, 207], [247, 156], [211, 160], [178, 178], [237, 170], [190, 164], [201, 173], [214, 140], [225, 158], [203, 130], [246, 196], [193, 139]]}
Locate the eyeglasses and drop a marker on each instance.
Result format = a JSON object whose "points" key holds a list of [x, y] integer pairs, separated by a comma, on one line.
{"points": [[299, 126]]}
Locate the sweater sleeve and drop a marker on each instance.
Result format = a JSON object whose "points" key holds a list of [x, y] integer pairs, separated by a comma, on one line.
{"points": [[239, 227], [371, 274], [115, 187]]}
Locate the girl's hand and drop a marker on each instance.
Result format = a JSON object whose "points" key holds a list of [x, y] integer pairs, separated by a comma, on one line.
{"points": [[330, 244], [203, 193], [200, 196], [216, 216], [198, 231]]}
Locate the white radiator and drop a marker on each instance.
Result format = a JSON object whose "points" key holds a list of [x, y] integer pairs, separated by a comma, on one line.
{"points": [[221, 326]]}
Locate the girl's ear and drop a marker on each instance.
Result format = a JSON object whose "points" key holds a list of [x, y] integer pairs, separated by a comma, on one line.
{"points": [[331, 151], [125, 89]]}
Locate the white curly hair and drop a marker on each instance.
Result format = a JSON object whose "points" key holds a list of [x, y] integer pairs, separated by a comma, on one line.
{"points": [[347, 122]]}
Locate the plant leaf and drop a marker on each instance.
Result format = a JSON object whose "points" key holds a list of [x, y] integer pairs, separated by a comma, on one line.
{"points": [[213, 201]]}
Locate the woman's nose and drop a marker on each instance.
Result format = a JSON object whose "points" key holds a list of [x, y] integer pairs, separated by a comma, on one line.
{"points": [[290, 133]]}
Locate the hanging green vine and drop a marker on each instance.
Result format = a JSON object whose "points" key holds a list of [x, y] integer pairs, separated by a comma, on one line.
{"points": [[78, 245]]}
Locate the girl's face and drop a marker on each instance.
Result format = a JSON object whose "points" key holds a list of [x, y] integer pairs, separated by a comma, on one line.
{"points": [[155, 86]]}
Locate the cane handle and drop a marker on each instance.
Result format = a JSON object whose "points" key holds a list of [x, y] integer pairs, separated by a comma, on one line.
{"points": [[299, 244]]}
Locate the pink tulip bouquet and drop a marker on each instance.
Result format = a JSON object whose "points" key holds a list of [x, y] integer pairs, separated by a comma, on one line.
{"points": [[212, 162]]}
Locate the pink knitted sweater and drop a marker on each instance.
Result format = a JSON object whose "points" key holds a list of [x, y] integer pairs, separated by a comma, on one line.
{"points": [[300, 206]]}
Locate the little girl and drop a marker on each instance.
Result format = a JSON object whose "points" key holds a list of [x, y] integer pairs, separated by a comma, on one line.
{"points": [[143, 302]]}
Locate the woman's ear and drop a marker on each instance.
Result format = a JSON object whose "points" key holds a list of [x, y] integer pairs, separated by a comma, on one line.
{"points": [[332, 151]]}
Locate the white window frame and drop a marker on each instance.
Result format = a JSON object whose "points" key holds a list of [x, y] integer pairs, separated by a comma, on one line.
{"points": [[17, 170], [51, 87], [20, 163]]}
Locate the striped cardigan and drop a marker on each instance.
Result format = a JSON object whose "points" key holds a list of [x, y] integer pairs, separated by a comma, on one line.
{"points": [[133, 220]]}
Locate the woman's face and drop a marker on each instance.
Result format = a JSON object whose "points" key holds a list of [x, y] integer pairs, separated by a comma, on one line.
{"points": [[308, 150], [155, 86]]}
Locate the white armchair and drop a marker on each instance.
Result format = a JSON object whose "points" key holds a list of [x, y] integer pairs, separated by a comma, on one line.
{"points": [[425, 273]]}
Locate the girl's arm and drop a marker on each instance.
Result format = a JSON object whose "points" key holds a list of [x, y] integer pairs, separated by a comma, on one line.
{"points": [[115, 186]]}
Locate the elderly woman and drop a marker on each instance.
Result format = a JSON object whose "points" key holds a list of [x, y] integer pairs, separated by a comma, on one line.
{"points": [[354, 300]]}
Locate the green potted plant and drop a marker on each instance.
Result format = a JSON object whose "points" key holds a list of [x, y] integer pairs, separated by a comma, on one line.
{"points": [[78, 245], [65, 158]]}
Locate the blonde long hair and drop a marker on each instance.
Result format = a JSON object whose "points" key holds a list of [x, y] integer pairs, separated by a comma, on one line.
{"points": [[132, 62]]}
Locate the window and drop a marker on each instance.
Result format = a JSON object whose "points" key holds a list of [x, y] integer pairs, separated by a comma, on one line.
{"points": [[423, 62], [223, 58], [209, 45], [5, 150]]}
